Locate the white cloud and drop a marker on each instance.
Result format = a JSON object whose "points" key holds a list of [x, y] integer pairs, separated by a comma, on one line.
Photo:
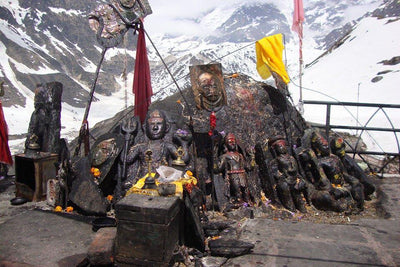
{"points": [[185, 16]]}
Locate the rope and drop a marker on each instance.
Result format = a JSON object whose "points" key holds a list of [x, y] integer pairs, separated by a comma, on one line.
{"points": [[172, 76], [337, 100]]}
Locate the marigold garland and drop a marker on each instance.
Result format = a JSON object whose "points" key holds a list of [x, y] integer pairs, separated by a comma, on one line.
{"points": [[58, 209], [69, 209], [96, 172]]}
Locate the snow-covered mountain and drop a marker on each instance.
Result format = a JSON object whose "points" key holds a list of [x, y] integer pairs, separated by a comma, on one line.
{"points": [[43, 41]]}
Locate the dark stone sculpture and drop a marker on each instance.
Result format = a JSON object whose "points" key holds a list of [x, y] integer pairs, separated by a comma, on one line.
{"points": [[45, 121], [320, 190], [164, 152], [338, 148], [335, 170], [290, 185], [234, 166], [208, 86], [129, 129], [85, 193], [266, 180], [248, 113], [103, 156]]}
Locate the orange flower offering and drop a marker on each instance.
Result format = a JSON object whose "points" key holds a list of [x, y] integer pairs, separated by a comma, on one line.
{"points": [[95, 171], [189, 173], [69, 209], [110, 197], [178, 101], [58, 209], [235, 75]]}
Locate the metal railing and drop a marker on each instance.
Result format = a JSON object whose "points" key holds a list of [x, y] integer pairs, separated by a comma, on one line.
{"points": [[380, 107]]}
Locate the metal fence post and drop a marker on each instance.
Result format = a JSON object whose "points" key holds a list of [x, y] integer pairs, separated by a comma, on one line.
{"points": [[328, 121]]}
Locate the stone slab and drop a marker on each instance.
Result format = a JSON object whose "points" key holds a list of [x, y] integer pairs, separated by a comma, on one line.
{"points": [[101, 249], [44, 239]]}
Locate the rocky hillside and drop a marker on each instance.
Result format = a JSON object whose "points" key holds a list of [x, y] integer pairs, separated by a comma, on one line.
{"points": [[51, 40]]}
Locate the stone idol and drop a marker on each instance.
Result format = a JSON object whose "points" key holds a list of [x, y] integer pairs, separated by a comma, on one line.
{"points": [[218, 104]]}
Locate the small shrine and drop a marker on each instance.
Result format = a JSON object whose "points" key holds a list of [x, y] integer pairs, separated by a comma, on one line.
{"points": [[172, 173]]}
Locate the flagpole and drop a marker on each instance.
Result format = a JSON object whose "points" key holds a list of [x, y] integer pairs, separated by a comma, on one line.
{"points": [[301, 107], [298, 18]]}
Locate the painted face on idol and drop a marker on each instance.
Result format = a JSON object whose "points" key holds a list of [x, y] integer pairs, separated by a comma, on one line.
{"points": [[128, 3], [319, 144], [338, 147], [280, 147], [156, 125], [209, 88], [230, 142]]}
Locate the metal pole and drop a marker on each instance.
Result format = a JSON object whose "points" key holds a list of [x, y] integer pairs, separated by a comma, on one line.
{"points": [[85, 116], [301, 106], [300, 77], [358, 101], [328, 121]]}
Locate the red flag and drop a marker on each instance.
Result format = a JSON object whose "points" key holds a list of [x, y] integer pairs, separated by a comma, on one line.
{"points": [[5, 154], [141, 80], [298, 18]]}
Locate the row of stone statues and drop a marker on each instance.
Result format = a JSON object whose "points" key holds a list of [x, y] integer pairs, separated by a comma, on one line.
{"points": [[331, 181], [312, 175], [315, 173]]}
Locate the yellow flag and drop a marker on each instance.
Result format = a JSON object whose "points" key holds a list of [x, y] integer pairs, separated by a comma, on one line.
{"points": [[269, 57]]}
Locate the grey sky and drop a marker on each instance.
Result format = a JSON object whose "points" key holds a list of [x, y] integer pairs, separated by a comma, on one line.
{"points": [[182, 16]]}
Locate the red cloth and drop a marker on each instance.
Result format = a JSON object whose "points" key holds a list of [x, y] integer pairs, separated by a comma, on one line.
{"points": [[5, 154], [298, 18], [213, 123], [141, 80]]}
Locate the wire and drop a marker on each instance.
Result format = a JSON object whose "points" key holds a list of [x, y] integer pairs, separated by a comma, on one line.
{"points": [[172, 76], [337, 100], [213, 61], [235, 51]]}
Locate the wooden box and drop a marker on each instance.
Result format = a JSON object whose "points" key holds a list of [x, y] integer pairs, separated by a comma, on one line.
{"points": [[32, 174], [148, 230]]}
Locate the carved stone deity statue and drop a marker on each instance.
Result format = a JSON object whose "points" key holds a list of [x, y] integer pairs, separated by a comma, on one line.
{"points": [[163, 152], [45, 121], [234, 166], [338, 148], [335, 171], [321, 192], [290, 185], [208, 86]]}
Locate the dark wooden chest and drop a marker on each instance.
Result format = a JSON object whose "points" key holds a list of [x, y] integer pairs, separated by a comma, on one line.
{"points": [[148, 229], [32, 174]]}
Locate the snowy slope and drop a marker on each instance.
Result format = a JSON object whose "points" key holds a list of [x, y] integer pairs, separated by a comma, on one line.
{"points": [[346, 75]]}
